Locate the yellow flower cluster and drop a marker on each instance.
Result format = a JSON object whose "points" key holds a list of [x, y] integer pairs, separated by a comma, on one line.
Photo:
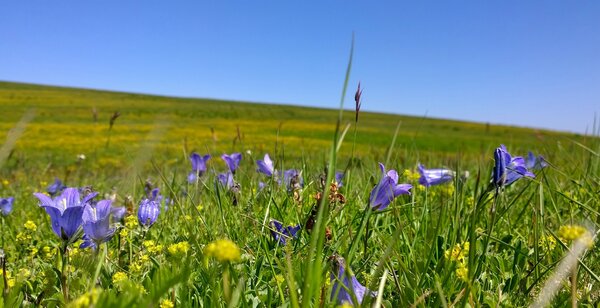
{"points": [[166, 303], [49, 253], [23, 237], [458, 252], [575, 232], [152, 247], [10, 279], [447, 190], [131, 222], [119, 277], [462, 272], [179, 249], [223, 250], [30, 225], [411, 175], [547, 243], [87, 299]]}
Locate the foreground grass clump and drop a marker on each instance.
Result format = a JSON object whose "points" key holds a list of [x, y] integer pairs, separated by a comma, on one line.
{"points": [[302, 226]]}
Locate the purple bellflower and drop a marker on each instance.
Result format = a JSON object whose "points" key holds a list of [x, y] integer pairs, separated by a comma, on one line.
{"points": [[65, 211], [198, 166], [266, 166], [292, 179], [226, 180], [387, 189], [6, 205], [55, 187], [232, 161], [96, 224], [346, 284], [339, 176], [535, 163], [149, 209], [118, 213], [430, 177], [281, 234], [508, 169]]}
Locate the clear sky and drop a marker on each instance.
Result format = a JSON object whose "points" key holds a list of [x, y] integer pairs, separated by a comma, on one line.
{"points": [[526, 63]]}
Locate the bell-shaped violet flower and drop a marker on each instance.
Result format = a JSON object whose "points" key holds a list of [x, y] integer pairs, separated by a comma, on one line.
{"points": [[226, 180], [508, 169], [292, 179], [339, 176], [431, 177], [198, 166], [6, 205], [232, 161], [65, 211], [55, 187], [535, 162], [96, 224], [346, 284], [280, 234], [387, 189], [149, 209], [266, 166], [118, 213]]}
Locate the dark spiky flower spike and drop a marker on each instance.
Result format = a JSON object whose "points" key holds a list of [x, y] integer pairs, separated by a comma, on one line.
{"points": [[357, 96]]}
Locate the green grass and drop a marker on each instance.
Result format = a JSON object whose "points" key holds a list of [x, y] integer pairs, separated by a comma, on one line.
{"points": [[507, 264]]}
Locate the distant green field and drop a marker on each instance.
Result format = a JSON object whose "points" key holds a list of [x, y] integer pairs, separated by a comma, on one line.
{"points": [[65, 126]]}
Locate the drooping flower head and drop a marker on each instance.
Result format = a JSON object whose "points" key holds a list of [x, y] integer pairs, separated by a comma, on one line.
{"points": [[280, 233], [266, 166], [431, 177], [232, 161], [387, 189], [508, 169], [535, 162], [6, 205], [65, 211], [226, 180], [357, 101], [198, 166], [96, 224], [55, 187], [292, 179], [346, 284], [149, 209]]}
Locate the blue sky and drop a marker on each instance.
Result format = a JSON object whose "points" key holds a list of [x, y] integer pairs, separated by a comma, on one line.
{"points": [[525, 63]]}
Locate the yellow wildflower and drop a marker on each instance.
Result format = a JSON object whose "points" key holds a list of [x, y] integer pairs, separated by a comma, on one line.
{"points": [[345, 305], [199, 207], [131, 222], [223, 250], [462, 272], [166, 303], [23, 237], [575, 232], [5, 182], [87, 299], [411, 175], [30, 225], [144, 258], [124, 232], [118, 278], [179, 249], [458, 252], [470, 200], [23, 274], [33, 251], [547, 243], [135, 267], [279, 278], [188, 217], [11, 280]]}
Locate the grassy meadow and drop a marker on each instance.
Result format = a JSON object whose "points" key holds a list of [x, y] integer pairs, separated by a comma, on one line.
{"points": [[464, 243]]}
